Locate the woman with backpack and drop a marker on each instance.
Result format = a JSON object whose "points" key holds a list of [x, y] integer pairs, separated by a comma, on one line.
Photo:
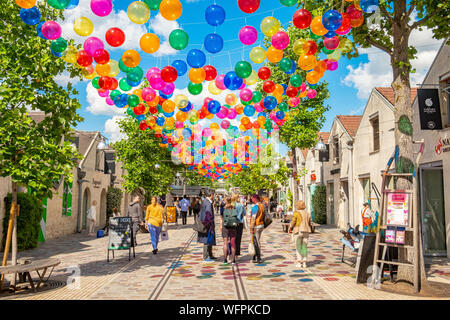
{"points": [[196, 207], [228, 228], [301, 227]]}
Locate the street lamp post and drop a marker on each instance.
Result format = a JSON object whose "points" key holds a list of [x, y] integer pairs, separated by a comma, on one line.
{"points": [[320, 146]]}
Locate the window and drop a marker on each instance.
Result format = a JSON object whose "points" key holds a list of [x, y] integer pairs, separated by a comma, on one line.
{"points": [[336, 149], [365, 183], [375, 133], [67, 199], [447, 88]]}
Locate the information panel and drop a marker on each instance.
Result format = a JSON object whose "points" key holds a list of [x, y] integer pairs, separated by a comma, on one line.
{"points": [[119, 233], [398, 209]]}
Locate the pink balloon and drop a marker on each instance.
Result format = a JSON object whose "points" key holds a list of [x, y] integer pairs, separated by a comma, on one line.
{"points": [[179, 125], [206, 132], [246, 95], [109, 101], [223, 113], [101, 8], [331, 43], [311, 93], [332, 64], [294, 101], [344, 32], [168, 88], [156, 82], [248, 35], [148, 94], [272, 115], [103, 94], [94, 46], [225, 124], [303, 87], [219, 82], [280, 40], [51, 30], [258, 107], [231, 114]]}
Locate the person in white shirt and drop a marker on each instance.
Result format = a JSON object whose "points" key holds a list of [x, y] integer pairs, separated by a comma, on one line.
{"points": [[92, 216], [116, 213]]}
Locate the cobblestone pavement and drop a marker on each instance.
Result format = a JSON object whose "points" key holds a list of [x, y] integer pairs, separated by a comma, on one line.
{"points": [[178, 272]]}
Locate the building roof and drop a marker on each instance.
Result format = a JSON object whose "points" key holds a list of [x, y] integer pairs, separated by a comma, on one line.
{"points": [[324, 135], [350, 123], [304, 153], [388, 93]]}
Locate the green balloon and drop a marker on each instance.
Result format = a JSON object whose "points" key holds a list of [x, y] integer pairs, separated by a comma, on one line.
{"points": [[159, 108], [95, 83], [114, 94], [227, 106], [135, 74], [326, 51], [243, 69], [257, 96], [296, 81], [285, 64], [58, 4], [123, 67], [123, 85], [313, 36], [195, 88], [133, 100], [288, 3], [130, 112], [59, 45], [178, 39], [246, 103], [153, 4], [283, 106]]}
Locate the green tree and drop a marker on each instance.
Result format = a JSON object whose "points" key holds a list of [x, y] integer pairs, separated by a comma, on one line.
{"points": [[33, 154]]}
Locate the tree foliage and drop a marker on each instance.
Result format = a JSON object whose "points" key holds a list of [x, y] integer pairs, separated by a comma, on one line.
{"points": [[34, 154]]}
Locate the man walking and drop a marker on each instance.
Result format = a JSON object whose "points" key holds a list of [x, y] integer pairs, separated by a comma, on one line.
{"points": [[207, 218], [136, 214], [184, 205], [257, 226]]}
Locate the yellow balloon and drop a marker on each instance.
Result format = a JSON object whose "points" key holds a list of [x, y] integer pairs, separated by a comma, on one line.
{"points": [[209, 116], [26, 4], [149, 43], [269, 26], [197, 75], [83, 26], [345, 45], [252, 79], [181, 101], [213, 88], [114, 68], [214, 126], [170, 9], [274, 55], [70, 55], [335, 55], [298, 46], [103, 70], [258, 55], [138, 12], [357, 4]]}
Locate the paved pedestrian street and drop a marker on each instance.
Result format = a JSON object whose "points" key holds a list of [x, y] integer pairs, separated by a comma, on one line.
{"points": [[178, 272]]}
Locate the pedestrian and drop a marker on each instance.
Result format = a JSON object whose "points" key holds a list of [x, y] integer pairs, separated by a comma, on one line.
{"points": [[301, 227], [154, 218], [280, 211], [184, 208], [228, 229], [368, 217], [197, 207], [136, 214], [191, 203], [240, 208], [207, 218], [257, 226], [116, 213], [177, 209], [92, 217]]}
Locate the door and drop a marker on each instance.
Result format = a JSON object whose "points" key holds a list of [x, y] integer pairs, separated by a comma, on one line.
{"points": [[312, 189], [102, 208], [345, 202], [432, 209], [86, 205], [331, 200]]}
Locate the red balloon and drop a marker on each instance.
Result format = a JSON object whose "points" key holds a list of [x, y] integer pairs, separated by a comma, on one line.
{"points": [[312, 47], [264, 73], [211, 72], [104, 83], [139, 109], [248, 6], [153, 110], [268, 86], [353, 13], [169, 74], [291, 92], [205, 103], [114, 84], [103, 58], [84, 59], [143, 125], [346, 24], [302, 18], [115, 37]]}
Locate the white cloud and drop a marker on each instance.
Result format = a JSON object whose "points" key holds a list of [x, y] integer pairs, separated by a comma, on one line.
{"points": [[112, 129], [98, 105], [64, 78], [378, 71]]}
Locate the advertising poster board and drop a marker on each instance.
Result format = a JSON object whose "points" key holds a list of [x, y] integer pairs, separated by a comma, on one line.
{"points": [[398, 209], [171, 214]]}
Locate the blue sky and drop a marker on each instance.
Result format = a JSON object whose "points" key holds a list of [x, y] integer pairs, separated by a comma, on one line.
{"points": [[349, 85]]}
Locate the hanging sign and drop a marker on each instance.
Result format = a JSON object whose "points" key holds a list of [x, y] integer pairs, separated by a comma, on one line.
{"points": [[429, 109], [398, 209]]}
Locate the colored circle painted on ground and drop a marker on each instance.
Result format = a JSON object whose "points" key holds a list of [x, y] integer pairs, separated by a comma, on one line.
{"points": [[299, 271], [305, 280], [273, 270], [330, 279], [269, 276], [281, 265], [204, 277], [156, 276], [228, 278], [188, 275], [277, 279], [254, 278]]}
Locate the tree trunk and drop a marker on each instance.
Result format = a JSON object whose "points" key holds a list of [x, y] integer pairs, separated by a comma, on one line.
{"points": [[14, 233], [294, 173], [403, 121]]}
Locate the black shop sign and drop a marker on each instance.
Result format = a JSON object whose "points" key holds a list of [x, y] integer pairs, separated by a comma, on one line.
{"points": [[429, 109]]}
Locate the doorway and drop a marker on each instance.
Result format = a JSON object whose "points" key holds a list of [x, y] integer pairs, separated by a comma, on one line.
{"points": [[432, 211], [345, 198], [86, 205], [102, 209], [331, 200]]}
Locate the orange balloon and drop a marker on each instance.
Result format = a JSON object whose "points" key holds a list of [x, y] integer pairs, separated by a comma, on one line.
{"points": [[358, 22], [103, 70], [239, 109], [317, 27], [131, 58], [307, 62], [209, 116], [181, 116], [302, 94], [313, 77], [214, 126], [321, 67], [170, 9], [149, 43], [274, 55], [245, 120], [197, 75], [278, 89], [26, 4], [168, 106], [138, 92]]}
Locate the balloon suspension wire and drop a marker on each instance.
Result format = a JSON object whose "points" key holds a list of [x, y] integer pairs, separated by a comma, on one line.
{"points": [[229, 59], [342, 5]]}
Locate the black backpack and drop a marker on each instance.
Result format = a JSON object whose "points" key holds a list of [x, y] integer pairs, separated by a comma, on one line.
{"points": [[230, 219]]}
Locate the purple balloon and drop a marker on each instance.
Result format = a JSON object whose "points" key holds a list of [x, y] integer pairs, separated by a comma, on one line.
{"points": [[101, 8], [168, 88], [248, 35]]}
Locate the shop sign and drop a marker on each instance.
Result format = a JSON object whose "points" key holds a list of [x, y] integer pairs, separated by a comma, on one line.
{"points": [[313, 177], [398, 209], [429, 109], [442, 145]]}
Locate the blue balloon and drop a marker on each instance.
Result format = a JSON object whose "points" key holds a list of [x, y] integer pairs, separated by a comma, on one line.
{"points": [[140, 117], [332, 20], [279, 115], [214, 106], [312, 86], [56, 54], [180, 66], [270, 102], [165, 96], [188, 108], [30, 16], [160, 121], [196, 58], [73, 4], [369, 6], [169, 115], [133, 84], [39, 30], [215, 15], [187, 133], [329, 34], [232, 81], [249, 110], [163, 140], [294, 67], [213, 43], [121, 100], [284, 87], [262, 114]]}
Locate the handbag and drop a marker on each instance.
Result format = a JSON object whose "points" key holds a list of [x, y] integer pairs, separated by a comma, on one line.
{"points": [[211, 239], [251, 247], [267, 219], [199, 226], [164, 235]]}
